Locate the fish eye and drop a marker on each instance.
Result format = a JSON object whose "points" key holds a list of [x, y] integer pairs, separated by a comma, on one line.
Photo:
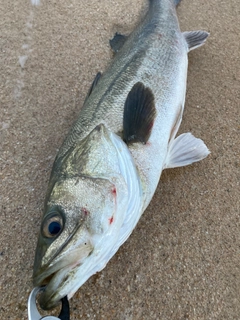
{"points": [[52, 226]]}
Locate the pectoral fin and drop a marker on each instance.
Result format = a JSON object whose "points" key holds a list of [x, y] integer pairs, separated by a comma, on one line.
{"points": [[139, 114], [117, 42], [184, 150], [195, 39]]}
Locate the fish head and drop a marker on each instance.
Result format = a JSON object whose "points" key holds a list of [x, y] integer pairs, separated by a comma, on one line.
{"points": [[80, 208], [79, 212]]}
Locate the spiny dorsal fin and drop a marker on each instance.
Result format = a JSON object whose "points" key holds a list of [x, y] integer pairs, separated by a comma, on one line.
{"points": [[139, 114], [117, 42], [93, 85], [195, 39]]}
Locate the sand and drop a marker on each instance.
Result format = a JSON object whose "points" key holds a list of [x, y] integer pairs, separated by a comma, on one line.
{"points": [[182, 261]]}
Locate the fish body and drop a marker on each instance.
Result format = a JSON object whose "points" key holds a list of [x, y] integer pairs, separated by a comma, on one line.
{"points": [[109, 165]]}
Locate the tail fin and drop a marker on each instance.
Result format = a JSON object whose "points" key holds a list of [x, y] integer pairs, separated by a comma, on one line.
{"points": [[176, 2]]}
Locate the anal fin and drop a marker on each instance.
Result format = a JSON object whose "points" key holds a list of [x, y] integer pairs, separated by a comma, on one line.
{"points": [[139, 114], [185, 150], [195, 39]]}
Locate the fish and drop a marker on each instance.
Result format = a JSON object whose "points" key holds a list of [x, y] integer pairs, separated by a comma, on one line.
{"points": [[109, 165]]}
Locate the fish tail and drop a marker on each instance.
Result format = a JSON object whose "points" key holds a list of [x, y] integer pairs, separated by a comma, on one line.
{"points": [[176, 2]]}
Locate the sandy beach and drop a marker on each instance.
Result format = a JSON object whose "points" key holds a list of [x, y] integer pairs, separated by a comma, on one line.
{"points": [[183, 259]]}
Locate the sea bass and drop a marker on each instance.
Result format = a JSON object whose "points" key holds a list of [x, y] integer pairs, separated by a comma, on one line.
{"points": [[109, 165]]}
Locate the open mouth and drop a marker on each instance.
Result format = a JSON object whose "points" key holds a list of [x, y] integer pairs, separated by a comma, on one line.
{"points": [[57, 277], [44, 277], [56, 280], [46, 281], [53, 290]]}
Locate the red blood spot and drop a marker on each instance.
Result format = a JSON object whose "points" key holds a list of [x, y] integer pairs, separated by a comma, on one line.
{"points": [[110, 220], [114, 191], [85, 211], [151, 125]]}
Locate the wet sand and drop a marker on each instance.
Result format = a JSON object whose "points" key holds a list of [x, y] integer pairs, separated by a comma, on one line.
{"points": [[182, 261]]}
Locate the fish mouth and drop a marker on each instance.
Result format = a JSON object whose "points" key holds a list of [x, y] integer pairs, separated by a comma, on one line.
{"points": [[51, 295], [57, 278], [52, 280]]}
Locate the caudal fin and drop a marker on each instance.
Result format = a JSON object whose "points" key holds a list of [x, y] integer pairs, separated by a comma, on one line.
{"points": [[176, 2]]}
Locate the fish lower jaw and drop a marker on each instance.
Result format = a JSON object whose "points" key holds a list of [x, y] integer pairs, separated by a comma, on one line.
{"points": [[54, 286], [48, 303], [44, 301], [50, 297]]}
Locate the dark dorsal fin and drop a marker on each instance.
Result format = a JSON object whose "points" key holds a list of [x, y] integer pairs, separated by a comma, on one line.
{"points": [[117, 42], [93, 85], [139, 114]]}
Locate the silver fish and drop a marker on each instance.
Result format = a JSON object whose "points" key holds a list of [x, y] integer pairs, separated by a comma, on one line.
{"points": [[109, 165]]}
